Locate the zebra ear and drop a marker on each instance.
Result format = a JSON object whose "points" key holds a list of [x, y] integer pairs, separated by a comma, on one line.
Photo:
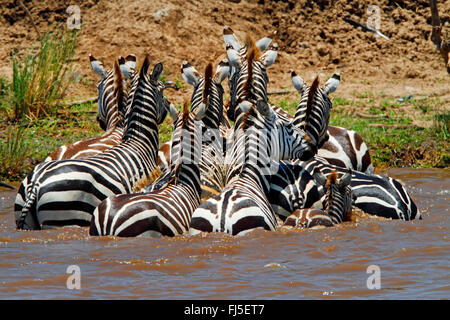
{"points": [[263, 43], [125, 68], [264, 109], [332, 84], [97, 66], [298, 82], [269, 57], [319, 177], [222, 71], [171, 109], [130, 60], [230, 39], [233, 57], [245, 106], [190, 74], [200, 111], [346, 179], [156, 73]]}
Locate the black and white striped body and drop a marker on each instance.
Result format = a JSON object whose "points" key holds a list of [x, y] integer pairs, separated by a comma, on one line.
{"points": [[67, 191], [293, 187], [168, 210], [108, 115], [338, 203], [259, 138], [344, 148]]}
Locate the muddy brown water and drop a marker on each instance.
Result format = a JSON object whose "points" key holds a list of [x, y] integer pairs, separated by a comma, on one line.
{"points": [[412, 257]]}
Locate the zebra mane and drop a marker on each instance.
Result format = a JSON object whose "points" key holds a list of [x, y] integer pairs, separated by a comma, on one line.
{"points": [[246, 120], [253, 53], [208, 80], [185, 113], [144, 68], [119, 91], [309, 103], [144, 182]]}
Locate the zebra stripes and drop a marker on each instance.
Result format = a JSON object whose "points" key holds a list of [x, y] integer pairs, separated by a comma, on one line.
{"points": [[248, 81], [344, 148], [292, 188], [338, 203], [242, 206], [208, 94], [68, 191], [338, 145], [166, 211], [313, 110]]}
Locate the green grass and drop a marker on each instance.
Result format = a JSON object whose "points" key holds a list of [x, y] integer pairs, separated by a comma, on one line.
{"points": [[23, 146], [41, 77], [15, 151]]}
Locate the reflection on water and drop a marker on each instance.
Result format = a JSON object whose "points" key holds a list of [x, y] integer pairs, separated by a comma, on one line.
{"points": [[413, 258]]}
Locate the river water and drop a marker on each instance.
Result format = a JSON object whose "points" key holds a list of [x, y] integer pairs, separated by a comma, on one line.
{"points": [[411, 259]]}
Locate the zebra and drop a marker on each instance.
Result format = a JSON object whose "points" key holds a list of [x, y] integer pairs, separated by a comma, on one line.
{"points": [[338, 203], [242, 206], [208, 91], [339, 146], [292, 187], [248, 80], [237, 52], [168, 210], [344, 147], [108, 116], [216, 119], [67, 191]]}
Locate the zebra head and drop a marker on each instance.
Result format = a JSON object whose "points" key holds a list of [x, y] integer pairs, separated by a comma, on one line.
{"points": [[248, 77], [339, 197], [148, 105], [108, 115], [313, 111], [107, 107], [272, 137], [208, 91]]}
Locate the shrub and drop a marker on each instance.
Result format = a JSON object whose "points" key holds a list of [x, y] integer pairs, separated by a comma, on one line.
{"points": [[40, 80]]}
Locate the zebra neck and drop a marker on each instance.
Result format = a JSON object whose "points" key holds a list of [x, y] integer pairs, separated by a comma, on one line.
{"points": [[189, 175]]}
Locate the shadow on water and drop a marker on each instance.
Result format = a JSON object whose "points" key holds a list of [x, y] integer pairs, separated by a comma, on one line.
{"points": [[412, 258]]}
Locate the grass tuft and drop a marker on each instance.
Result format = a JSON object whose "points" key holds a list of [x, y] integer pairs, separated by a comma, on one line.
{"points": [[40, 80]]}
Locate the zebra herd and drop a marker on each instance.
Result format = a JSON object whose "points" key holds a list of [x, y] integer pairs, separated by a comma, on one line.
{"points": [[231, 167]]}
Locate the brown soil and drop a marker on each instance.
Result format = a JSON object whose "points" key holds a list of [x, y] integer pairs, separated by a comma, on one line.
{"points": [[312, 36]]}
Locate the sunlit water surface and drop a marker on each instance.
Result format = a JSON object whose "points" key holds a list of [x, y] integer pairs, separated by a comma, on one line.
{"points": [[413, 258]]}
